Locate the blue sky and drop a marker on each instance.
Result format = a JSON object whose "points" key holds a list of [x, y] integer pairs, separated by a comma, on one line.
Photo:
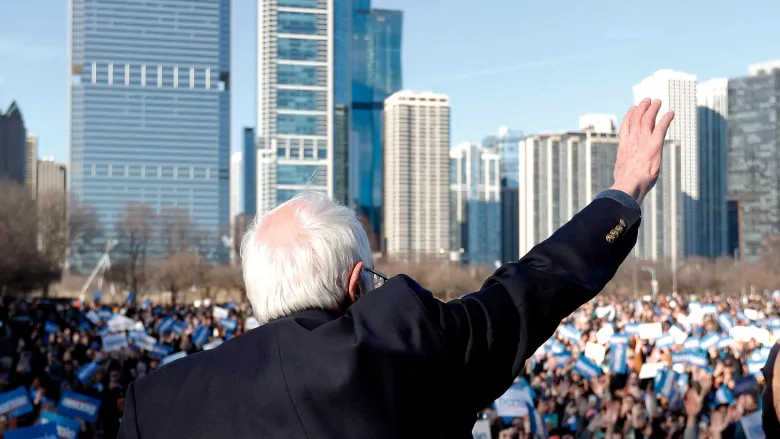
{"points": [[532, 65]]}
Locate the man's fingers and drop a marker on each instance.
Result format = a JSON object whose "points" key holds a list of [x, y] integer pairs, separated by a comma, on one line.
{"points": [[663, 126], [648, 120], [624, 126], [636, 117]]}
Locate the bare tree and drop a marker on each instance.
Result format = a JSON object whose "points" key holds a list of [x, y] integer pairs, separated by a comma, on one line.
{"points": [[52, 233], [134, 233], [176, 231], [179, 272], [85, 233], [17, 237], [224, 277]]}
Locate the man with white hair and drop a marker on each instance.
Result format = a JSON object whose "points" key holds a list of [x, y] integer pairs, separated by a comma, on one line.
{"points": [[343, 352]]}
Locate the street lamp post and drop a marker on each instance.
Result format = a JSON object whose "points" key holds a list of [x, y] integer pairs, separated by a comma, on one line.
{"points": [[653, 279]]}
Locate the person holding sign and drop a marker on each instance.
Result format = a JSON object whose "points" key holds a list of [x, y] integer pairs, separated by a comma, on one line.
{"points": [[345, 352]]}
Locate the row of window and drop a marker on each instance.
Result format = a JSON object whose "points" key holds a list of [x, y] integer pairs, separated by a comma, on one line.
{"points": [[143, 75], [150, 171], [295, 49], [301, 23]]}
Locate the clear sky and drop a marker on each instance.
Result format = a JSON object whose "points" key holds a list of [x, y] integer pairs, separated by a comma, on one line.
{"points": [[534, 65]]}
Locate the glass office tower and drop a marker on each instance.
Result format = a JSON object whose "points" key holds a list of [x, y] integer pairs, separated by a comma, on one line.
{"points": [[376, 74], [150, 108], [303, 79]]}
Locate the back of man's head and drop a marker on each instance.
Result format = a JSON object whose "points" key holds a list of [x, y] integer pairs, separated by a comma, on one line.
{"points": [[300, 255]]}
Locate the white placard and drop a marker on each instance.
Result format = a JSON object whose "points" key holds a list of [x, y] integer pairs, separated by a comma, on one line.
{"points": [[220, 313], [604, 334], [604, 311], [251, 323], [650, 370], [595, 352], [752, 314], [481, 429], [119, 323], [679, 335], [212, 344], [651, 331]]}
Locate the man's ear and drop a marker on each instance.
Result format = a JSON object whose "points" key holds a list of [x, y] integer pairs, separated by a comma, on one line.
{"points": [[353, 289]]}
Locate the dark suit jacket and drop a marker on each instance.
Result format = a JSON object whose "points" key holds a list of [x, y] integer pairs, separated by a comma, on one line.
{"points": [[399, 364]]}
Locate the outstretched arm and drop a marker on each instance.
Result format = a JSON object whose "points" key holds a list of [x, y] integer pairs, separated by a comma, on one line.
{"points": [[493, 331]]}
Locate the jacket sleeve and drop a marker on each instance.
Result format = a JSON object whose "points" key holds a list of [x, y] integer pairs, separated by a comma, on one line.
{"points": [[490, 334], [128, 429]]}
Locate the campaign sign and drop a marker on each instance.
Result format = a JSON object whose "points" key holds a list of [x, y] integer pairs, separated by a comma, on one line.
{"points": [[105, 313], [513, 403], [165, 326], [179, 327], [86, 371], [665, 342], [228, 324], [161, 350], [93, 317], [220, 313], [587, 367], [15, 403], [709, 340], [617, 357], [568, 332], [50, 328], [114, 342], [79, 406], [66, 428], [212, 344], [40, 431], [201, 335], [145, 341], [752, 426], [481, 429], [173, 357]]}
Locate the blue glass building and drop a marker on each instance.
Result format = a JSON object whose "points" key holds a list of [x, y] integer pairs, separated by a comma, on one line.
{"points": [[506, 144], [376, 74], [150, 108], [250, 172]]}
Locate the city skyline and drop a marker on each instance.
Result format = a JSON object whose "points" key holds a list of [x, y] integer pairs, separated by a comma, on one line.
{"points": [[487, 90]]}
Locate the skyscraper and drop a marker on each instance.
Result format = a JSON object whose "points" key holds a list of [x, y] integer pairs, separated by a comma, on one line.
{"points": [[303, 75], [376, 74], [677, 90], [236, 185], [712, 98], [754, 156], [475, 204], [559, 175], [249, 159], [506, 143], [662, 232], [417, 176], [13, 145], [150, 108], [52, 177], [32, 163]]}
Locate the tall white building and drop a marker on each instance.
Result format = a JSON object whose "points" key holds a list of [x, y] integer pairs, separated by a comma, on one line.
{"points": [[677, 91], [32, 164], [475, 204], [662, 232], [51, 177], [302, 79], [417, 175], [713, 103], [236, 185], [559, 175]]}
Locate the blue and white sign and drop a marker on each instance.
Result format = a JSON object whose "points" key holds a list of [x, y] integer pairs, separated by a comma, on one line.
{"points": [[228, 324], [568, 332], [114, 342], [723, 396], [709, 341], [665, 342], [201, 336], [146, 342], [15, 403], [693, 358], [105, 313], [212, 344], [93, 317], [179, 327], [709, 309], [752, 426], [632, 328], [587, 367], [692, 343], [66, 428], [40, 431], [50, 328], [726, 322], [754, 367], [165, 326], [618, 362], [86, 371], [79, 406], [173, 357], [162, 350], [513, 403]]}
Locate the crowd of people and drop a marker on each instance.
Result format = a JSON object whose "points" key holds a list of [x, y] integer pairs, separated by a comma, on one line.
{"points": [[656, 367]]}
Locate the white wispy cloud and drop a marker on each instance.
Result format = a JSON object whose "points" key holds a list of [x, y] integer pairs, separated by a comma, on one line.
{"points": [[563, 59], [29, 51]]}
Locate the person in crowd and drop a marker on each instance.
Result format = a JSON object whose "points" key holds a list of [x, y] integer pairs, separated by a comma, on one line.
{"points": [[344, 352]]}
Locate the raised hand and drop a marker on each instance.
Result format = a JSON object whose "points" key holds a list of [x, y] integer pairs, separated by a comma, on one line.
{"points": [[640, 148]]}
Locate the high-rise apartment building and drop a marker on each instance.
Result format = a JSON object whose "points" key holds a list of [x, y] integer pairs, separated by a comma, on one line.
{"points": [[13, 145], [303, 76], [32, 163], [713, 103], [753, 157], [236, 185], [417, 176], [52, 177], [475, 204], [506, 143], [559, 175], [662, 232], [150, 109], [249, 159], [375, 53], [677, 91]]}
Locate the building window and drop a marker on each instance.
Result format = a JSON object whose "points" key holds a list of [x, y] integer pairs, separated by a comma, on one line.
{"points": [[208, 173], [192, 77], [208, 79], [301, 175], [143, 75], [175, 76], [127, 74], [143, 171], [192, 172], [306, 100], [110, 170], [94, 169], [300, 50], [159, 76], [299, 75], [94, 73], [111, 74], [300, 124], [297, 23], [127, 171]]}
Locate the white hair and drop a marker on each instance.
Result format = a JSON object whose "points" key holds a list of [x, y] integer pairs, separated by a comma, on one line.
{"points": [[300, 255]]}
